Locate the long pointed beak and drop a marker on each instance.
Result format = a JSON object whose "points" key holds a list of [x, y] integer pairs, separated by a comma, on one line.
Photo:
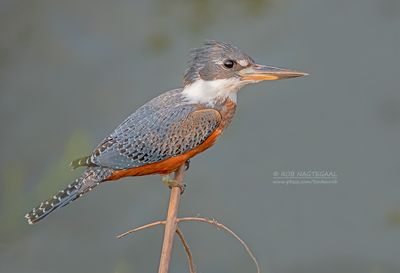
{"points": [[259, 72]]}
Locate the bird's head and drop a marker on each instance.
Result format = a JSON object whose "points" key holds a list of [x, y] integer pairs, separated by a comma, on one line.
{"points": [[220, 69]]}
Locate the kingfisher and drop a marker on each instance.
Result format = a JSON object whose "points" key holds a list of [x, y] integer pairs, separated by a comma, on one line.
{"points": [[163, 134]]}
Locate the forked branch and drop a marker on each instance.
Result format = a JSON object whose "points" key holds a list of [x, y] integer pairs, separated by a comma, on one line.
{"points": [[197, 219], [178, 232]]}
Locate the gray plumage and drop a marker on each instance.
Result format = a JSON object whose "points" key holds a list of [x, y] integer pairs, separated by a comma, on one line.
{"points": [[206, 62], [164, 127]]}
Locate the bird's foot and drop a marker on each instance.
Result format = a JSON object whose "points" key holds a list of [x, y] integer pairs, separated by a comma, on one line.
{"points": [[187, 164], [170, 183]]}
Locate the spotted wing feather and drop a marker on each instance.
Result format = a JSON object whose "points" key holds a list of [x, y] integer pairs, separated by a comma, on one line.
{"points": [[162, 128]]}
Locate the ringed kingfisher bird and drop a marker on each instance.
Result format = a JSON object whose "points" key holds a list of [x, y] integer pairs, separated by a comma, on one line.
{"points": [[167, 131]]}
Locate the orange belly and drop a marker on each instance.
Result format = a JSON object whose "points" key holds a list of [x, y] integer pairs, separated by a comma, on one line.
{"points": [[168, 165]]}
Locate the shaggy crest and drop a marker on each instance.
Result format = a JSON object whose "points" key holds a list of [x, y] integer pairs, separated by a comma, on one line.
{"points": [[203, 61]]}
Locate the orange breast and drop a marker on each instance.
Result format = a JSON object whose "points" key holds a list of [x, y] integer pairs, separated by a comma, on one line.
{"points": [[168, 165]]}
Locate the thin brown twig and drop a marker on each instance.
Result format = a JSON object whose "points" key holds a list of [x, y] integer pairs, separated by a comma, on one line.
{"points": [[222, 226], [150, 225], [192, 268], [189, 255], [204, 220], [180, 235], [171, 222]]}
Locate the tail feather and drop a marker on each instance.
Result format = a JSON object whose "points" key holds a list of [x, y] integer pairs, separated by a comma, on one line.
{"points": [[89, 179], [81, 162]]}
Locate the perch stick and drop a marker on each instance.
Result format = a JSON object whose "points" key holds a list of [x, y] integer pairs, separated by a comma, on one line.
{"points": [[171, 223]]}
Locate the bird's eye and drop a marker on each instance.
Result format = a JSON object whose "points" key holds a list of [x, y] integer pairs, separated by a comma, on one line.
{"points": [[229, 63]]}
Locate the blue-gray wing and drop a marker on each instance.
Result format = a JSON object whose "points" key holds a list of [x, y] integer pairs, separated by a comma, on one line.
{"points": [[164, 127]]}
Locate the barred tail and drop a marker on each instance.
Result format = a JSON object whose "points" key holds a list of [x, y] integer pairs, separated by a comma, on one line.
{"points": [[89, 179]]}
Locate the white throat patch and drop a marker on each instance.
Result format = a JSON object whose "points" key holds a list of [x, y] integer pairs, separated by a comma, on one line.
{"points": [[208, 92]]}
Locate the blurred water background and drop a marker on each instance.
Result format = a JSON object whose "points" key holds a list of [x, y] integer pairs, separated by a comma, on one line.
{"points": [[70, 71]]}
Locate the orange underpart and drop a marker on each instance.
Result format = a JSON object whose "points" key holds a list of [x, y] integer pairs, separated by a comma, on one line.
{"points": [[168, 165]]}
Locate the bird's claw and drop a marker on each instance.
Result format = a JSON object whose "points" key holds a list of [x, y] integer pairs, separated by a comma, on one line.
{"points": [[171, 183], [187, 164], [182, 188]]}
